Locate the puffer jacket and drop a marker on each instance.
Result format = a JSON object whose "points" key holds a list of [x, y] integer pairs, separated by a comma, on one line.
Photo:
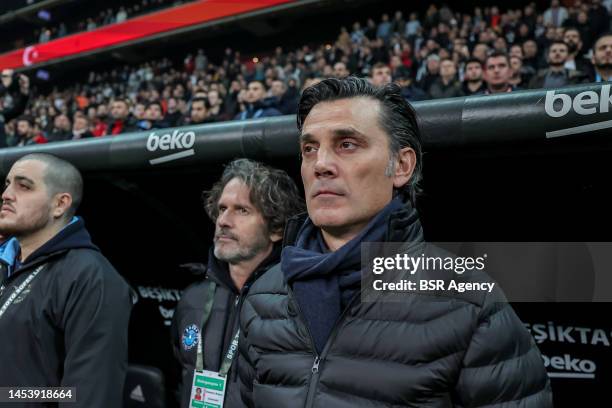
{"points": [[428, 350]]}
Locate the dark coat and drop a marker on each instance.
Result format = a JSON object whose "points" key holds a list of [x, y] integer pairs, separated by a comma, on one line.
{"points": [[220, 328], [69, 327], [573, 78], [426, 350]]}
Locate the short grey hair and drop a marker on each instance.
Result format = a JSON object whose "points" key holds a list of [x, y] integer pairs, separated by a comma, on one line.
{"points": [[272, 192], [60, 176]]}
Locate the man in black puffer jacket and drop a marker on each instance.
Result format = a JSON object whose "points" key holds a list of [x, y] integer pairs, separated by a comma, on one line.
{"points": [[308, 337], [250, 206]]}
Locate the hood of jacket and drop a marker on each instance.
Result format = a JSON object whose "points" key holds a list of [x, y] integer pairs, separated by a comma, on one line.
{"points": [[72, 236]]}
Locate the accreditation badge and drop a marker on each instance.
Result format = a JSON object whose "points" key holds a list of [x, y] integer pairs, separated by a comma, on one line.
{"points": [[207, 389]]}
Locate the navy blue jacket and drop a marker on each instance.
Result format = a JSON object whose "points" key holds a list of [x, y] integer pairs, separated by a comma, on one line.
{"points": [[68, 327]]}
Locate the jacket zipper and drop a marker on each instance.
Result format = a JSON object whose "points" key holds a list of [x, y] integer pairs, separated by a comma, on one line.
{"points": [[314, 377], [237, 307]]}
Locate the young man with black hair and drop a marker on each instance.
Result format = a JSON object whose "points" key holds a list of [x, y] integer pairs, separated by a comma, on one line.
{"points": [[472, 77], [255, 103], [556, 75], [497, 74], [64, 310], [602, 59]]}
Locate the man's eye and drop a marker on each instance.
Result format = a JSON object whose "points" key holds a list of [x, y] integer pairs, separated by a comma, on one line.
{"points": [[243, 211], [308, 149], [348, 145], [24, 186]]}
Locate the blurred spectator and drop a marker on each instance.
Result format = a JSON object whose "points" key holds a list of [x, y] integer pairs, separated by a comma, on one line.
{"points": [[413, 25], [599, 19], [121, 120], [100, 126], [26, 133], [517, 80], [497, 74], [62, 129], [410, 91], [139, 111], [121, 15], [17, 88], [531, 58], [380, 74], [447, 85], [80, 127], [357, 34], [45, 35], [216, 112], [384, 28], [472, 79], [555, 15], [575, 59], [340, 70], [431, 73], [255, 105], [153, 117], [556, 75], [399, 24], [173, 115], [201, 61], [199, 111], [480, 52], [584, 28], [286, 102], [400, 67], [602, 58]]}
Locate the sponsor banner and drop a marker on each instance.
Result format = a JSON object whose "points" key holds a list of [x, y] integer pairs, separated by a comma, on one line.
{"points": [[174, 18], [445, 124], [175, 145], [562, 112], [545, 115], [575, 340]]}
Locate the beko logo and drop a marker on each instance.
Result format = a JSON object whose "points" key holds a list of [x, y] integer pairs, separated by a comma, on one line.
{"points": [[584, 103], [568, 367], [171, 141]]}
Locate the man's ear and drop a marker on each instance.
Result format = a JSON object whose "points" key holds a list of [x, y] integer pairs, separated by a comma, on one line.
{"points": [[404, 167], [276, 236], [61, 204]]}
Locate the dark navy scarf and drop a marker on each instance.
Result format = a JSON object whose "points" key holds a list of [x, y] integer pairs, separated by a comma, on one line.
{"points": [[324, 282]]}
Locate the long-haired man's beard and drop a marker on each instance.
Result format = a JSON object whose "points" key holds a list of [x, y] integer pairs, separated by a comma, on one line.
{"points": [[572, 48], [241, 251]]}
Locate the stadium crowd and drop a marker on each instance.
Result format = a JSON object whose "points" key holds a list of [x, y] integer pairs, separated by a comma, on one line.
{"points": [[440, 54]]}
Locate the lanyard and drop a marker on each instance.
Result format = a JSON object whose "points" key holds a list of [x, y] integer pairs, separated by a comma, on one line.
{"points": [[233, 347], [18, 290]]}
